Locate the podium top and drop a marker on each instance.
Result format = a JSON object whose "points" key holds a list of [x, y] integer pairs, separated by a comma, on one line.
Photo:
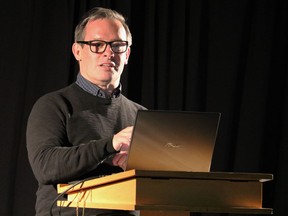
{"points": [[224, 176]]}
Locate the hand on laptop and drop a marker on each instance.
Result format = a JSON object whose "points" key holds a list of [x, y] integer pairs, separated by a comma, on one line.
{"points": [[121, 142]]}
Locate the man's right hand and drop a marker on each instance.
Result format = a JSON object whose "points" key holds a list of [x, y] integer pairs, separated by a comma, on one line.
{"points": [[121, 142]]}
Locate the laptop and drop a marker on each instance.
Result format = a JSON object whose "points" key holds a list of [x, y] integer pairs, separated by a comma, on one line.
{"points": [[173, 141]]}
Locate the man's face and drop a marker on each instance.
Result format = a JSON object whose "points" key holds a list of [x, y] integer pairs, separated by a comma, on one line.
{"points": [[102, 69]]}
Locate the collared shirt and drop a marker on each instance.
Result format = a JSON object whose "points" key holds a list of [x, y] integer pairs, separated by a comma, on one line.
{"points": [[93, 89]]}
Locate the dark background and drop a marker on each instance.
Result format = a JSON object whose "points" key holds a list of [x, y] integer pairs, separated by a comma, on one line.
{"points": [[226, 56]]}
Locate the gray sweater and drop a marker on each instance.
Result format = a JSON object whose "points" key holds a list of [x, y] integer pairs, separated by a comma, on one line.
{"points": [[68, 133]]}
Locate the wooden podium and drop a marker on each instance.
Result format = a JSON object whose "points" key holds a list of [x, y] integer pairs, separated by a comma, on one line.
{"points": [[166, 193]]}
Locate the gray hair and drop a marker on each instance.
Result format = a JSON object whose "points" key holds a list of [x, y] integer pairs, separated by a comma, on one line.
{"points": [[100, 13]]}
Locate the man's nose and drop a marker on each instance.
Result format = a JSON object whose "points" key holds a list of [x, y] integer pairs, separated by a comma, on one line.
{"points": [[108, 51]]}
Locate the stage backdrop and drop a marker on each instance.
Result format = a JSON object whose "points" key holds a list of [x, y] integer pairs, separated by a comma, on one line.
{"points": [[218, 55]]}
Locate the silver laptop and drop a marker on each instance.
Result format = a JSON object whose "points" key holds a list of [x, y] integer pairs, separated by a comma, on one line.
{"points": [[173, 141]]}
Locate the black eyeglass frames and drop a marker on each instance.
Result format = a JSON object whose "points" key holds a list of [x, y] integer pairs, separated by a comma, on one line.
{"points": [[99, 46]]}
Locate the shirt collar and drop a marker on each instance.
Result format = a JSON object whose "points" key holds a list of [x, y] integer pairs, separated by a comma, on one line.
{"points": [[93, 89]]}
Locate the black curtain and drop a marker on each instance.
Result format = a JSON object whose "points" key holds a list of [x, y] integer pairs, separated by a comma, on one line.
{"points": [[228, 56]]}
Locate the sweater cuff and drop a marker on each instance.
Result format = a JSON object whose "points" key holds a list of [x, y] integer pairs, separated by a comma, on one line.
{"points": [[109, 147]]}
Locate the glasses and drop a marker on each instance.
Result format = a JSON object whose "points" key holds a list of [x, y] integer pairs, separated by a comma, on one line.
{"points": [[98, 46]]}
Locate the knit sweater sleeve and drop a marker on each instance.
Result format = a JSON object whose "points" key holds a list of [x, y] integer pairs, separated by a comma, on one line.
{"points": [[53, 159]]}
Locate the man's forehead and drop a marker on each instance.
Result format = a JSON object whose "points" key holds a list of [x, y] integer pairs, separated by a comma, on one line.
{"points": [[105, 26], [104, 21]]}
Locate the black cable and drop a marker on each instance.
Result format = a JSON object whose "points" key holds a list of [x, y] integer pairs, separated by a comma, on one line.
{"points": [[75, 184]]}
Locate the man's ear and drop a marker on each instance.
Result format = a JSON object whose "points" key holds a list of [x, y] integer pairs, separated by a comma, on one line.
{"points": [[76, 49], [127, 55]]}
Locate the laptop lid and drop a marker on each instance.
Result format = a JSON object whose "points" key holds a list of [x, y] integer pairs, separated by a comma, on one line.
{"points": [[173, 141]]}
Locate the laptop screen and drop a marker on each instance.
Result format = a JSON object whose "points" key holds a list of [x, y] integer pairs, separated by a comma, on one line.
{"points": [[173, 141]]}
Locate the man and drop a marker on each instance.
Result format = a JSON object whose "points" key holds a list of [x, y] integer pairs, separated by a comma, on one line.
{"points": [[71, 131]]}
